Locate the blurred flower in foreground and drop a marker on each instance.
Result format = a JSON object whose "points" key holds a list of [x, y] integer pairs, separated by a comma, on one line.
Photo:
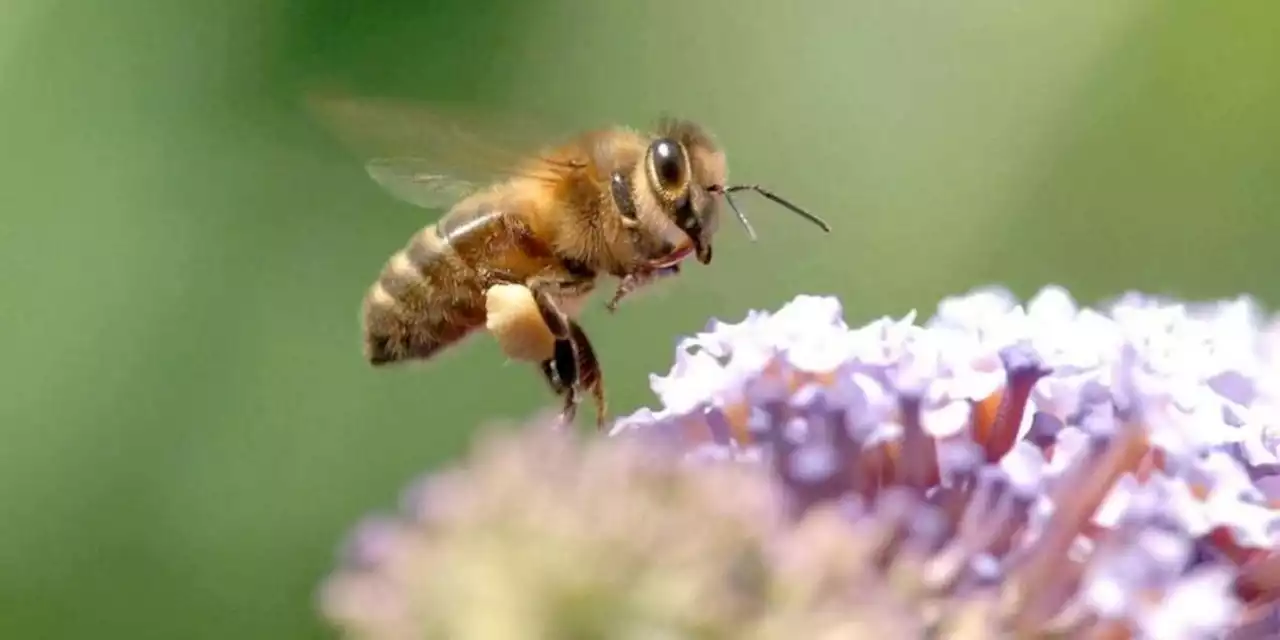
{"points": [[542, 537], [999, 472]]}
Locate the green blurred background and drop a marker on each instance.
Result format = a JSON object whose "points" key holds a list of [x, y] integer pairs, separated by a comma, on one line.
{"points": [[187, 429]]}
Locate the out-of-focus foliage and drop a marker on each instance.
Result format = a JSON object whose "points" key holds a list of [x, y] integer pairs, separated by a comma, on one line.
{"points": [[186, 426]]}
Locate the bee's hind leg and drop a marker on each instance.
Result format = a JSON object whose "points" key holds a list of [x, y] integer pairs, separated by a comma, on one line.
{"points": [[573, 366], [561, 370], [573, 369], [561, 373]]}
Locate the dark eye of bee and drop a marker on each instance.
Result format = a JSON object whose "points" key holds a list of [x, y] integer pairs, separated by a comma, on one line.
{"points": [[668, 164]]}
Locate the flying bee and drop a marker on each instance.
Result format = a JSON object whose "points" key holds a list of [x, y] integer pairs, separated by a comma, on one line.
{"points": [[612, 202]]}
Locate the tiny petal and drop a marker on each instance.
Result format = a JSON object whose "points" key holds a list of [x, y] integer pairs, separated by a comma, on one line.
{"points": [[1025, 466], [1200, 605]]}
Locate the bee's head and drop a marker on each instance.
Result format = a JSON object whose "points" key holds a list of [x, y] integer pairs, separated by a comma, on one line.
{"points": [[685, 171], [683, 168]]}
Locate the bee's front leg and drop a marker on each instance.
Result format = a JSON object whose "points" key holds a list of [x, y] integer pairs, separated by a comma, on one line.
{"points": [[637, 280]]}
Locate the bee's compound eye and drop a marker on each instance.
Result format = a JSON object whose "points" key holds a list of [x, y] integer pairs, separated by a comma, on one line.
{"points": [[668, 164]]}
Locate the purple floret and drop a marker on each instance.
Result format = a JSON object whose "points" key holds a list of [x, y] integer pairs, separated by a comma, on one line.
{"points": [[1029, 390]]}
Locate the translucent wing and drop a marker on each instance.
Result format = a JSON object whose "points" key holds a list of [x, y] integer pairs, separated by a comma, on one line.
{"points": [[416, 181], [430, 155]]}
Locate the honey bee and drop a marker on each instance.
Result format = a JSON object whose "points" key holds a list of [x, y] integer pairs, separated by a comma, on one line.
{"points": [[613, 201]]}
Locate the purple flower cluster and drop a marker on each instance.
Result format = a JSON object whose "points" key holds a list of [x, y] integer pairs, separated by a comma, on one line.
{"points": [[999, 471], [1140, 440]]}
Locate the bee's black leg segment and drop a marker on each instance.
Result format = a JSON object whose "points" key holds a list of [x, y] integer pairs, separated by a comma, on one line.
{"points": [[564, 364], [568, 369], [589, 374], [548, 368], [562, 374], [574, 368], [570, 410]]}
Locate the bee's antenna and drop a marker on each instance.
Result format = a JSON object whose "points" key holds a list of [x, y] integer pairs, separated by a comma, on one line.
{"points": [[774, 197], [738, 212]]}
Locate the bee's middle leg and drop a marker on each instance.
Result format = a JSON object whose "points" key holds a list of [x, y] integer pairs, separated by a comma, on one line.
{"points": [[589, 374]]}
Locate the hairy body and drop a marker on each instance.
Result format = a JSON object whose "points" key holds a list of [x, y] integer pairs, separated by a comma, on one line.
{"points": [[553, 228], [519, 256], [565, 218]]}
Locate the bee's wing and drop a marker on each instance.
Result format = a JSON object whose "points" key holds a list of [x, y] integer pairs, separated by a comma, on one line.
{"points": [[430, 155], [417, 181]]}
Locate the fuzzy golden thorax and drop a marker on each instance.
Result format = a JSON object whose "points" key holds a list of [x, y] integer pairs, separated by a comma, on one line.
{"points": [[629, 200]]}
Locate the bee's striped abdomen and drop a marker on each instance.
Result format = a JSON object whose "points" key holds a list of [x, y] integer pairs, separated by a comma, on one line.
{"points": [[426, 298]]}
